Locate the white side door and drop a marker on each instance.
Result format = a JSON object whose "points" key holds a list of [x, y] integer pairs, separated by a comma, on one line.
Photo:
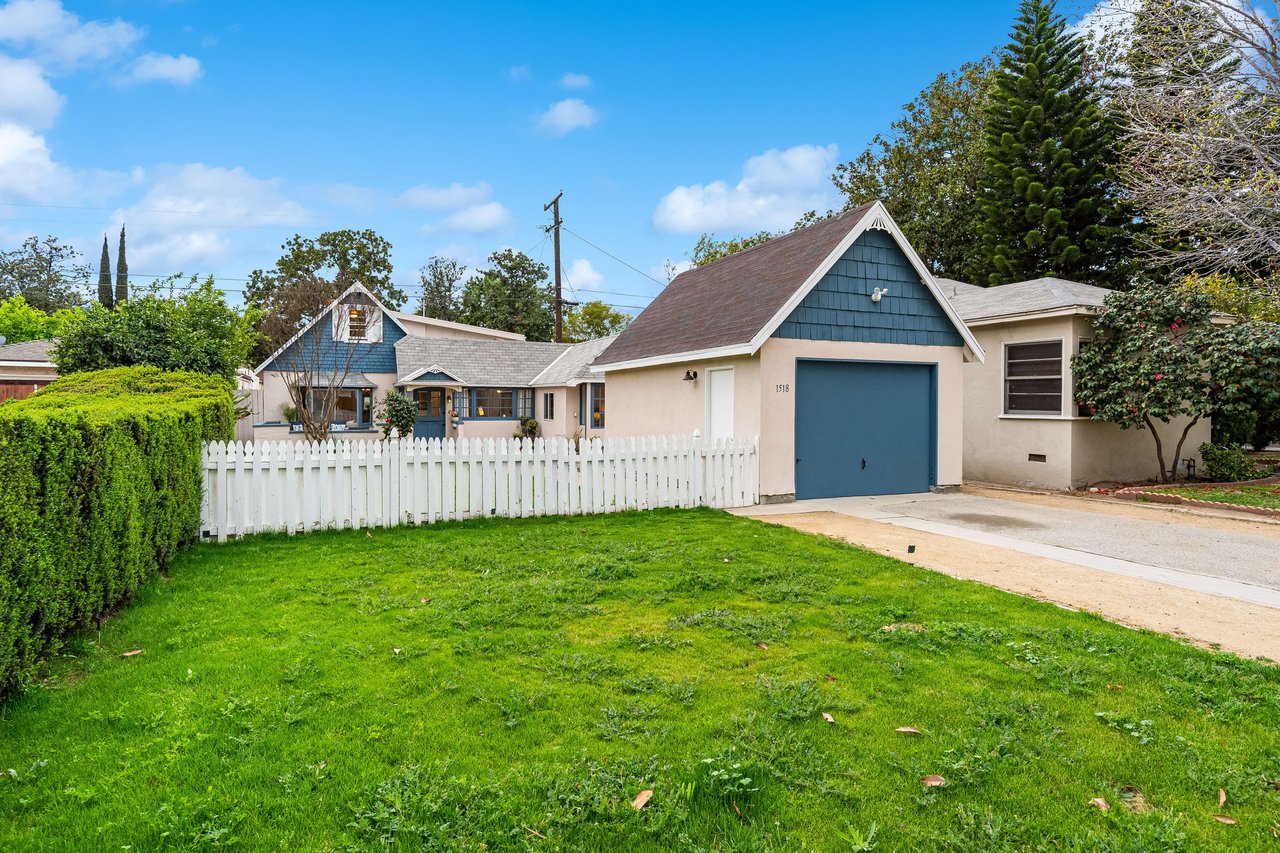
{"points": [[720, 403]]}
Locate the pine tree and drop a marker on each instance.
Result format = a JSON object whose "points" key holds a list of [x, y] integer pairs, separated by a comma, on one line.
{"points": [[122, 272], [1050, 203], [104, 277]]}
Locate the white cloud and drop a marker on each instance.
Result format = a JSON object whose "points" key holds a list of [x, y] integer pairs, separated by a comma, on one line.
{"points": [[479, 219], [27, 169], [161, 67], [452, 197], [57, 37], [575, 81], [25, 95], [583, 276], [564, 116], [199, 203], [776, 188]]}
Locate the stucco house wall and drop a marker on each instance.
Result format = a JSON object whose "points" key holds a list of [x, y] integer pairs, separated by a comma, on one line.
{"points": [[1077, 451]]}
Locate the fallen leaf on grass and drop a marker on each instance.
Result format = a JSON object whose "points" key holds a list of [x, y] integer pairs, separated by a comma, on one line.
{"points": [[1221, 818], [1222, 797], [902, 626], [132, 653], [425, 600], [828, 676], [828, 717], [395, 651], [641, 799], [1115, 687], [907, 730], [1100, 804], [933, 781], [762, 646]]}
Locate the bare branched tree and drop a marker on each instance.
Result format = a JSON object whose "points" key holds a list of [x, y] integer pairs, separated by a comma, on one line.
{"points": [[318, 366], [1200, 103]]}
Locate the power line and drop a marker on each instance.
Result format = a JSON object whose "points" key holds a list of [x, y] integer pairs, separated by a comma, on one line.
{"points": [[615, 257]]}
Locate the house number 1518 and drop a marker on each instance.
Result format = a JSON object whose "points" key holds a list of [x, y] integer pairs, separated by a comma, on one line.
{"points": [[783, 389]]}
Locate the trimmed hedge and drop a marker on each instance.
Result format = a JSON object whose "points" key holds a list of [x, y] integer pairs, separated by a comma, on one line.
{"points": [[100, 484]]}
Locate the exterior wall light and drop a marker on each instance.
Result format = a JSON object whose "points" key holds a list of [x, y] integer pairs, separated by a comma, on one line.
{"points": [[879, 293], [690, 375]]}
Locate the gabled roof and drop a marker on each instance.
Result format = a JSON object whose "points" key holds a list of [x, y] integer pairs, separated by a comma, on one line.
{"points": [[35, 353], [355, 288], [499, 364], [450, 324], [731, 306], [573, 367], [1022, 299]]}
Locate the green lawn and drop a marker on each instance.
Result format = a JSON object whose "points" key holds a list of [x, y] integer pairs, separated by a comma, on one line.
{"points": [[516, 684], [1263, 495]]}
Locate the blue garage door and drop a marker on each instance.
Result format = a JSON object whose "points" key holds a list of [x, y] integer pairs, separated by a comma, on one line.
{"points": [[864, 428]]}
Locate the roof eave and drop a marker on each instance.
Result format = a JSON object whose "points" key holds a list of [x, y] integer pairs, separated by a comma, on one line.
{"points": [[1043, 314], [676, 358]]}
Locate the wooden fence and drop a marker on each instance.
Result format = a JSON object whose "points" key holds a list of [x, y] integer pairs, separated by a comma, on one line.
{"points": [[295, 486]]}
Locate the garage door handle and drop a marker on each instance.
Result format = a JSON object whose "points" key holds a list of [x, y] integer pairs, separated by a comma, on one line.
{"points": [[864, 464]]}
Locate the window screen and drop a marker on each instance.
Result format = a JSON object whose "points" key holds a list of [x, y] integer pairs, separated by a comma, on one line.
{"points": [[1033, 378]]}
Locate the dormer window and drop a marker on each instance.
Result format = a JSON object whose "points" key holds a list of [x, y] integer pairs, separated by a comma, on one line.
{"points": [[357, 320], [357, 323]]}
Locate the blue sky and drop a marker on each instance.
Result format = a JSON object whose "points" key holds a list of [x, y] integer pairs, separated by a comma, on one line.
{"points": [[217, 130]]}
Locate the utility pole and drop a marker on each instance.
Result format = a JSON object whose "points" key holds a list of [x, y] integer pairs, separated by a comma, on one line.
{"points": [[554, 207]]}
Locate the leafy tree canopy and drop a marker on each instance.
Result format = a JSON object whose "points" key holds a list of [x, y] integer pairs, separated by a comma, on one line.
{"points": [[1048, 196], [511, 295], [709, 249], [439, 279], [47, 273], [171, 325], [20, 322], [592, 320], [1157, 355], [330, 263], [927, 168]]}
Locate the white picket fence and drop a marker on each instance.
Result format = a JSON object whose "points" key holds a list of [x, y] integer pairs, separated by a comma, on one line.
{"points": [[295, 486]]}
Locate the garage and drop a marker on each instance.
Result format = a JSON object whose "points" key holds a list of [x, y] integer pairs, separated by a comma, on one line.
{"points": [[864, 428]]}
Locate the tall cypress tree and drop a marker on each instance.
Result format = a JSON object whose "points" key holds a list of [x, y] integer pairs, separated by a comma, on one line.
{"points": [[122, 272], [104, 277], [1050, 203]]}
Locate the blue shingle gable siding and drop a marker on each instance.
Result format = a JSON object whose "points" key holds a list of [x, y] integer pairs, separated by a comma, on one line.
{"points": [[839, 308], [369, 358]]}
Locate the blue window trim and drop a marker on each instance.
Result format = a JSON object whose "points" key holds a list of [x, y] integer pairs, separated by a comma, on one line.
{"points": [[471, 404], [362, 424], [586, 405]]}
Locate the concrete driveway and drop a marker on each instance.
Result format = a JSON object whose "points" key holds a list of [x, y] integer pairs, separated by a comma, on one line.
{"points": [[1213, 579]]}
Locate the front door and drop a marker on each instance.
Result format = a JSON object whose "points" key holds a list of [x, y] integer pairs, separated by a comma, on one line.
{"points": [[430, 421]]}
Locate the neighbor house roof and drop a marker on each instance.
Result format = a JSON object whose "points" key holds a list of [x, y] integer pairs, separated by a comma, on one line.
{"points": [[35, 353], [1022, 298], [461, 327], [573, 367], [731, 306], [501, 364]]}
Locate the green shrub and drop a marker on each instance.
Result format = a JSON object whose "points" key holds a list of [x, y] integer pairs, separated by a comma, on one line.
{"points": [[100, 484], [1228, 464], [398, 411]]}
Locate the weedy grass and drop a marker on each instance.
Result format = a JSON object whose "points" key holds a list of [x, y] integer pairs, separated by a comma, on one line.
{"points": [[515, 684], [1267, 496]]}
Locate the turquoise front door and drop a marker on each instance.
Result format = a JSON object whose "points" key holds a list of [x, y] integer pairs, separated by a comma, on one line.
{"points": [[430, 421]]}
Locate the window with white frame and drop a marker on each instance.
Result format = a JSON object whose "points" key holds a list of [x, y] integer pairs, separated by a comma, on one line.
{"points": [[357, 321], [1033, 378]]}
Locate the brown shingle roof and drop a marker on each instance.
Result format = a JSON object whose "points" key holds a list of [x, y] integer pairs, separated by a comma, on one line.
{"points": [[728, 301]]}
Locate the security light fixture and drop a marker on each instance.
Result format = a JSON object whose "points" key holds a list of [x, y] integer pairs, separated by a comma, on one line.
{"points": [[690, 375], [879, 293]]}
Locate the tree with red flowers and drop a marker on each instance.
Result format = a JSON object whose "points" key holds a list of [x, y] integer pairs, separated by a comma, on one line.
{"points": [[1161, 353]]}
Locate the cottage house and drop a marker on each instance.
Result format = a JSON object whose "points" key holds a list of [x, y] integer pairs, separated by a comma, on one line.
{"points": [[467, 381]]}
